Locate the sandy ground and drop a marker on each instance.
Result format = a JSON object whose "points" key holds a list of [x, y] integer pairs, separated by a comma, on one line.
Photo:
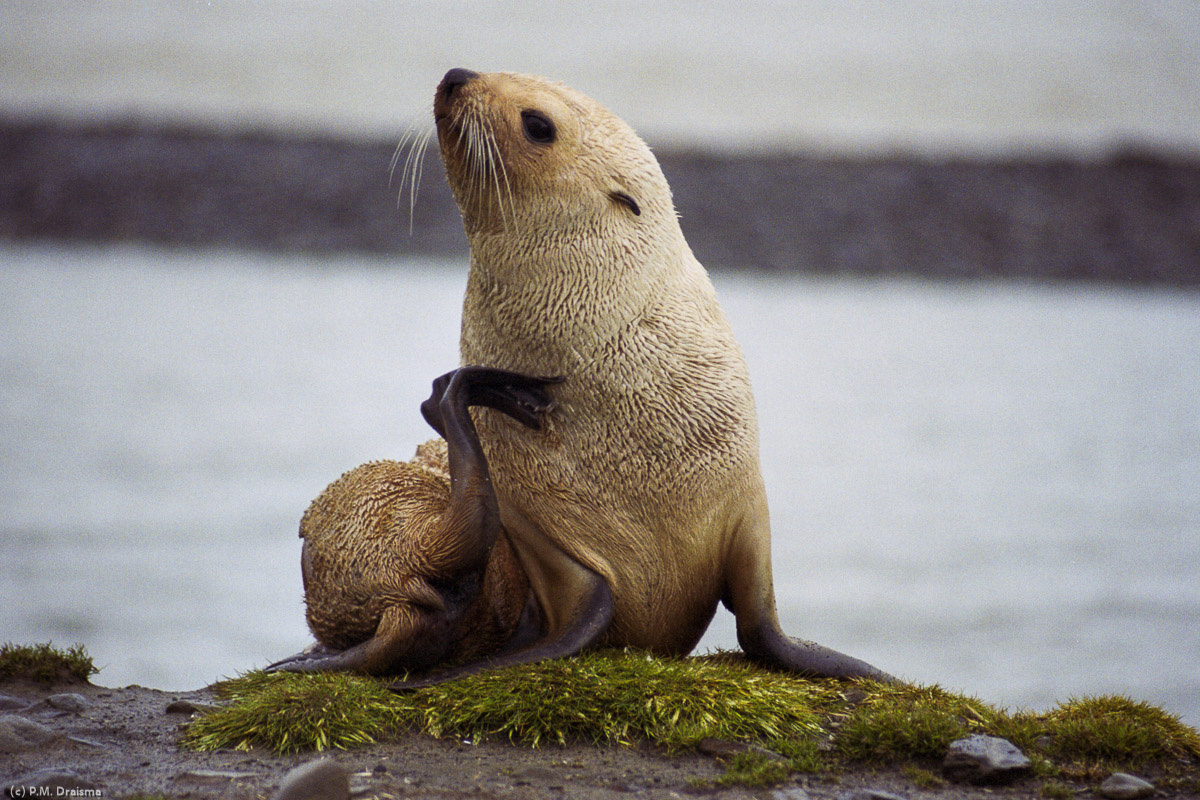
{"points": [[124, 741]]}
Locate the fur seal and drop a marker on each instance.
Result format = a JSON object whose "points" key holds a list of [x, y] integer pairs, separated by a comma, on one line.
{"points": [[637, 505], [617, 506]]}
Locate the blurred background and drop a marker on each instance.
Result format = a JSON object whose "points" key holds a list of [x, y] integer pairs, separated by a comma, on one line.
{"points": [[959, 242]]}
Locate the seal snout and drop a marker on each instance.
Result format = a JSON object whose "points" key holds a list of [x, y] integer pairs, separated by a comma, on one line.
{"points": [[452, 81]]}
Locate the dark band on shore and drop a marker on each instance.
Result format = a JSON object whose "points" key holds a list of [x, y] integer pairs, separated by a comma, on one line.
{"points": [[1133, 218]]}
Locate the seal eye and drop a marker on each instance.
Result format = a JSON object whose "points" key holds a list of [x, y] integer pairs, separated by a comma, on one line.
{"points": [[628, 202], [537, 126]]}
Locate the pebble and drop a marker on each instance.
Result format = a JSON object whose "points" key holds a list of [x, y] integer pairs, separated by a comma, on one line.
{"points": [[790, 793], [723, 748], [189, 707], [1123, 786], [18, 733], [74, 703], [322, 779], [984, 759], [10, 703], [216, 775], [870, 794]]}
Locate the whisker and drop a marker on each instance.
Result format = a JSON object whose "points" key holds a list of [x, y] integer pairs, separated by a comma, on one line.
{"points": [[412, 171], [413, 142]]}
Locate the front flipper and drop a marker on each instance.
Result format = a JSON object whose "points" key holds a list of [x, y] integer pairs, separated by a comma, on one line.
{"points": [[519, 396], [587, 623]]}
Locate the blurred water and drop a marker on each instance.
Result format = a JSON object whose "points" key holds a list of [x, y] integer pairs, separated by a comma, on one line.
{"points": [[924, 75], [993, 487]]}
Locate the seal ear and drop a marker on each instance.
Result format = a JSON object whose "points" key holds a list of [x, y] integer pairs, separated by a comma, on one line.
{"points": [[627, 201]]}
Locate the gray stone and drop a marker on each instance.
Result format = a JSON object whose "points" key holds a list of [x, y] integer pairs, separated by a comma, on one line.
{"points": [[870, 794], [984, 759], [790, 793], [322, 779], [216, 775], [1123, 786], [18, 733], [724, 748], [74, 703], [189, 707], [10, 703]]}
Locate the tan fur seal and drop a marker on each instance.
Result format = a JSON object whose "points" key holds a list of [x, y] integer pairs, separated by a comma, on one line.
{"points": [[629, 492], [638, 503]]}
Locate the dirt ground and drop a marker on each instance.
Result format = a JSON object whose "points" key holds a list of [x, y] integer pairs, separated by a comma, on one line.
{"points": [[124, 742]]}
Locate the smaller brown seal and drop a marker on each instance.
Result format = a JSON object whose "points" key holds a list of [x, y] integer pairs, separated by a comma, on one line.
{"points": [[405, 564]]}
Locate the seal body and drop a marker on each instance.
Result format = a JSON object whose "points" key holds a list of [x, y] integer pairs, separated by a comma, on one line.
{"points": [[646, 471]]}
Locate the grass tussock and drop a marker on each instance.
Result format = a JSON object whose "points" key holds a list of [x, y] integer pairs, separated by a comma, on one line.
{"points": [[1117, 733], [624, 697], [45, 663], [600, 698], [754, 769], [901, 723]]}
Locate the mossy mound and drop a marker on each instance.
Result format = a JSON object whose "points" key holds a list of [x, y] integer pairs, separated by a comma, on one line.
{"points": [[601, 698], [45, 663], [625, 697]]}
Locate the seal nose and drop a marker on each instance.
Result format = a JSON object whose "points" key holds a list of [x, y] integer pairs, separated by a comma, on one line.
{"points": [[454, 79]]}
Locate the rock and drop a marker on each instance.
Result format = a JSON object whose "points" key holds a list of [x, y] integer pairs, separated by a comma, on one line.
{"points": [[10, 703], [1123, 786], [790, 793], [723, 748], [870, 794], [322, 779], [216, 775], [74, 703], [18, 733], [189, 707], [984, 759]]}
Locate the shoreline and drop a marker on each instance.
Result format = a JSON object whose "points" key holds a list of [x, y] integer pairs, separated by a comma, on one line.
{"points": [[1130, 219], [62, 735], [120, 742]]}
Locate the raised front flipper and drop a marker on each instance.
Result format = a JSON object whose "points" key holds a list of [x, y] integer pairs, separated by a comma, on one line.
{"points": [[519, 396]]}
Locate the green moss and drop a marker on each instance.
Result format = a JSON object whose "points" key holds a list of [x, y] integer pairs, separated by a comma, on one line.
{"points": [[901, 723], [1116, 733], [922, 778], [45, 663], [602, 698], [625, 697], [1057, 791], [290, 713], [753, 768]]}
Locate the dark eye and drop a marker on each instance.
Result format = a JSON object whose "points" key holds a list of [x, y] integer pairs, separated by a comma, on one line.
{"points": [[628, 202], [538, 127]]}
